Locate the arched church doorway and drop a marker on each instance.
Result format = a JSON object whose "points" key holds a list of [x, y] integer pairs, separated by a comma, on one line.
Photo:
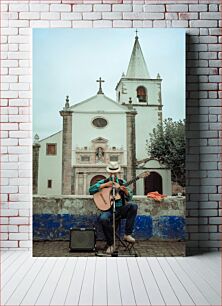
{"points": [[96, 178], [153, 182]]}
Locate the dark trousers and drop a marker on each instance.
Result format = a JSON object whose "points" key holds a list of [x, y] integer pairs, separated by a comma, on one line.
{"points": [[127, 212]]}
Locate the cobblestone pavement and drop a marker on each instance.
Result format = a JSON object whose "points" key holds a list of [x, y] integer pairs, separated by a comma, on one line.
{"points": [[141, 248]]}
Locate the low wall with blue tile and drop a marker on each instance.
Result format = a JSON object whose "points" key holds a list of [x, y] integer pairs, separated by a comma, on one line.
{"points": [[54, 216]]}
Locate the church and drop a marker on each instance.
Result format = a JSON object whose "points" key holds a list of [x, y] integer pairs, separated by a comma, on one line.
{"points": [[99, 130]]}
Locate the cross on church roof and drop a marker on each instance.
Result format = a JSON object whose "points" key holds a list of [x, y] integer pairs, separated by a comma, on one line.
{"points": [[136, 33], [100, 86]]}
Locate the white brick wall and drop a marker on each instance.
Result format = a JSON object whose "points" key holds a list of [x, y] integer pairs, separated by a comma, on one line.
{"points": [[200, 17]]}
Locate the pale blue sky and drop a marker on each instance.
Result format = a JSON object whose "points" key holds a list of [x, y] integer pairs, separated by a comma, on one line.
{"points": [[69, 61]]}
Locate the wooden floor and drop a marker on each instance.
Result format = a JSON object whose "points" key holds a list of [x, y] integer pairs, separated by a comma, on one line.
{"points": [[30, 280]]}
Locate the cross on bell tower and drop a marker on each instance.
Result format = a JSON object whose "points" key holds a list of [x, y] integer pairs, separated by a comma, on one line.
{"points": [[136, 34], [100, 92]]}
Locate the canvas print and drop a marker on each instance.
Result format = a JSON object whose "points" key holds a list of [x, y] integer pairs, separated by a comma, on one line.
{"points": [[109, 142]]}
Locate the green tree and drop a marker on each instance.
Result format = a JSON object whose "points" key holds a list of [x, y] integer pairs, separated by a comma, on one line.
{"points": [[167, 144]]}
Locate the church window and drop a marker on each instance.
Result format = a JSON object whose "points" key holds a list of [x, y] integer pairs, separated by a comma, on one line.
{"points": [[141, 94], [51, 149], [114, 158], [99, 122], [49, 183], [85, 158]]}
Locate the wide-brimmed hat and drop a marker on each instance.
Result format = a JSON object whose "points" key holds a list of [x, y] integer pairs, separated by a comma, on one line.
{"points": [[113, 167]]}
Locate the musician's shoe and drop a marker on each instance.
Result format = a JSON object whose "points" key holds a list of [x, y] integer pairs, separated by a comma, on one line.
{"points": [[110, 249], [129, 238]]}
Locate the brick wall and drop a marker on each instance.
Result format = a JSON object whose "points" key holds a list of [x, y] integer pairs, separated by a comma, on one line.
{"points": [[202, 20]]}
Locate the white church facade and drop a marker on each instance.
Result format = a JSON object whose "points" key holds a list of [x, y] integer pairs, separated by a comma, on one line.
{"points": [[99, 130]]}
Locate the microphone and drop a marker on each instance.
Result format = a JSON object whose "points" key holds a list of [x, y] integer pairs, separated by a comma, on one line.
{"points": [[113, 186]]}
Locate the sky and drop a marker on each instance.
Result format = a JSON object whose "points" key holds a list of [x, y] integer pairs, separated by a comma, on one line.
{"points": [[69, 61]]}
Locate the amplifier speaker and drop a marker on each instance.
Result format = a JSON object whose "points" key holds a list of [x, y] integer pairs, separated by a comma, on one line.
{"points": [[82, 239]]}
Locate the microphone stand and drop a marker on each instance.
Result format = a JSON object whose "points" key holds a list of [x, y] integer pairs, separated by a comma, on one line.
{"points": [[115, 253]]}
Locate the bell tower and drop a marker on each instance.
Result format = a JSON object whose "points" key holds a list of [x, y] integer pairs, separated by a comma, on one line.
{"points": [[137, 83], [144, 93]]}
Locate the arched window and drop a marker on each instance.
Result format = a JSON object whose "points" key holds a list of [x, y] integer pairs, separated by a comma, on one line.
{"points": [[141, 94]]}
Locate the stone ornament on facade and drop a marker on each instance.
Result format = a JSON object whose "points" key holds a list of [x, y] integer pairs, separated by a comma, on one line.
{"points": [[35, 164], [99, 155], [66, 113]]}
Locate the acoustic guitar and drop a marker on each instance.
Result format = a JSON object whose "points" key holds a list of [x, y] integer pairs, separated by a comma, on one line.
{"points": [[104, 198]]}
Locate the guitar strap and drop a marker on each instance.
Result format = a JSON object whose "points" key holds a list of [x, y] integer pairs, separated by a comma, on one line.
{"points": [[106, 180], [121, 192]]}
